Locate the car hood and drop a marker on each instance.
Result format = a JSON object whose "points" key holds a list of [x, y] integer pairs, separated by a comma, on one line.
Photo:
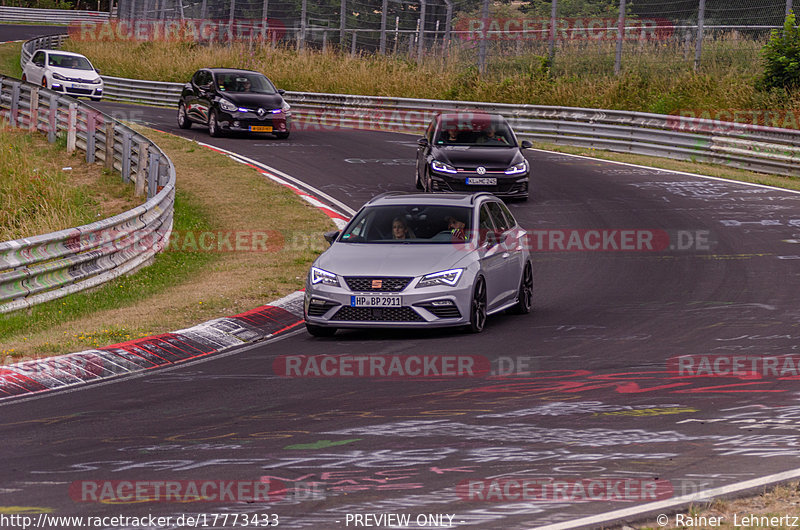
{"points": [[244, 99], [391, 259], [88, 75], [474, 156]]}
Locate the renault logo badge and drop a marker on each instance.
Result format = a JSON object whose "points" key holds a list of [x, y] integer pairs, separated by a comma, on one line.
{"points": [[261, 113]]}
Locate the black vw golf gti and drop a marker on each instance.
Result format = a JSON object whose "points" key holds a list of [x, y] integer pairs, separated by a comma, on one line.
{"points": [[469, 152], [234, 100]]}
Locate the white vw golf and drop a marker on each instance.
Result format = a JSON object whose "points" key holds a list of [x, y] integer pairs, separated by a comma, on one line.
{"points": [[66, 72]]}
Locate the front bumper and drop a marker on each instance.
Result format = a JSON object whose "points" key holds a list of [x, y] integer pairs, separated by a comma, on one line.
{"points": [[243, 121], [437, 306], [507, 186], [77, 89]]}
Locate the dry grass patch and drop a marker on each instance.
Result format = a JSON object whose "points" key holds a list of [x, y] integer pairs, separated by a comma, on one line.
{"points": [[783, 500], [44, 189], [233, 199]]}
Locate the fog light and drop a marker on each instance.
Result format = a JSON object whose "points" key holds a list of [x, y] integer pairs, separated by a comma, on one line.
{"points": [[440, 303], [235, 123]]}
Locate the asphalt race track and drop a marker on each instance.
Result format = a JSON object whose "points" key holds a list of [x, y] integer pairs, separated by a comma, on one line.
{"points": [[11, 32], [582, 392]]}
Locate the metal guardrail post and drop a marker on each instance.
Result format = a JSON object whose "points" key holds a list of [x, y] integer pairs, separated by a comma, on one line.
{"points": [[33, 117], [91, 136], [152, 172], [14, 115], [126, 157], [72, 127], [141, 170], [52, 119], [109, 145]]}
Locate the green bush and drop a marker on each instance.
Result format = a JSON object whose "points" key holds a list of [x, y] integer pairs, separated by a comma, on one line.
{"points": [[782, 56]]}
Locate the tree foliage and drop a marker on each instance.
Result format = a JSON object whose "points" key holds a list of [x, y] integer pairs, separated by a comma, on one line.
{"points": [[782, 56]]}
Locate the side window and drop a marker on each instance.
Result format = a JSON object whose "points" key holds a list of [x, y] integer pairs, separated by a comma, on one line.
{"points": [[429, 130], [509, 216], [484, 224], [38, 59], [202, 78], [498, 217]]}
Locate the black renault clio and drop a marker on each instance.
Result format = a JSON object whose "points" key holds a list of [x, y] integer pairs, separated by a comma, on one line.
{"points": [[226, 100]]}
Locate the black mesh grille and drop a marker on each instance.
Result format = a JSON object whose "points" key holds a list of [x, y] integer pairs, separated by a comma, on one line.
{"points": [[80, 90], [377, 314], [364, 283], [447, 311]]}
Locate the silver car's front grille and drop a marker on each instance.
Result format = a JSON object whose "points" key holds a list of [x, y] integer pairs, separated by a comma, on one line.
{"points": [[377, 314], [376, 283]]}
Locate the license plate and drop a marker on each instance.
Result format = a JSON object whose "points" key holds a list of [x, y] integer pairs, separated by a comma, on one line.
{"points": [[376, 301], [76, 85], [261, 128], [482, 181]]}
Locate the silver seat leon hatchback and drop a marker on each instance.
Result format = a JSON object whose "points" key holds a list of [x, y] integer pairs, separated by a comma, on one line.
{"points": [[421, 260]]}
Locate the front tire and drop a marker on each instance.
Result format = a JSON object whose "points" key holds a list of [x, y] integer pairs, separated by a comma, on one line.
{"points": [[213, 125], [477, 307], [183, 120], [320, 331], [44, 82], [417, 182], [525, 294], [24, 77]]}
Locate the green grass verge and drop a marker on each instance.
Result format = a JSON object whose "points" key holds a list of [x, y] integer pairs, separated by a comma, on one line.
{"points": [[9, 59], [169, 269]]}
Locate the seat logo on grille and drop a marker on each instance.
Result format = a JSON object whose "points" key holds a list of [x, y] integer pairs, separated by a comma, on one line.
{"points": [[481, 170], [377, 284]]}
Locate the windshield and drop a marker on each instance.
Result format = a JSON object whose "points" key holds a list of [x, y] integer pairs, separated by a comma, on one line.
{"points": [[73, 62], [472, 129], [244, 82], [413, 224]]}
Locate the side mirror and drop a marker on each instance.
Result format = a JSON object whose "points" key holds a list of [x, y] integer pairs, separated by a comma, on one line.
{"points": [[422, 142], [526, 144], [331, 236], [281, 91], [491, 239]]}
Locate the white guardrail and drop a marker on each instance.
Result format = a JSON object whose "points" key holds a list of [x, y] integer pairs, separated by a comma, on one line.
{"points": [[49, 16], [753, 147], [45, 267]]}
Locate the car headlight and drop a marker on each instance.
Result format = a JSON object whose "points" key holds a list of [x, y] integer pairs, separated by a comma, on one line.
{"points": [[285, 107], [449, 277], [96, 81], [324, 277], [59, 77], [522, 167], [442, 167], [226, 105]]}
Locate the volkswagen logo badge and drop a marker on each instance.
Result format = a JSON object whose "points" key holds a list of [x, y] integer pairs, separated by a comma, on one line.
{"points": [[481, 170], [261, 113]]}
